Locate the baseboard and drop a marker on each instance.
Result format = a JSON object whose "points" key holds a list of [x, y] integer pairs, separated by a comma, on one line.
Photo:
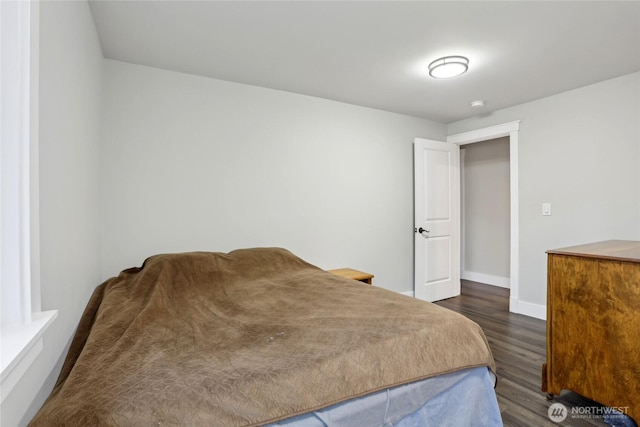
{"points": [[489, 279], [529, 309], [517, 306]]}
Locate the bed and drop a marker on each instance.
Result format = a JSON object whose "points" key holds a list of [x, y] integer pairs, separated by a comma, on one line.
{"points": [[261, 337]]}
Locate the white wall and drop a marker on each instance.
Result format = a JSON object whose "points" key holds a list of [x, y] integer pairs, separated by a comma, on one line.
{"points": [[70, 88], [579, 151], [188, 163], [486, 212], [191, 163]]}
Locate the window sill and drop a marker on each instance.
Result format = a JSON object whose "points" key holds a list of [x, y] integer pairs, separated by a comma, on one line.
{"points": [[20, 346]]}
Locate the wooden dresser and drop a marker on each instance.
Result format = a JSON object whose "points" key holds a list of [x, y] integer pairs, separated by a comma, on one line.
{"points": [[593, 323]]}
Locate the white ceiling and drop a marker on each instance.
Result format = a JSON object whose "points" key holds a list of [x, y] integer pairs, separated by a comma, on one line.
{"points": [[375, 54]]}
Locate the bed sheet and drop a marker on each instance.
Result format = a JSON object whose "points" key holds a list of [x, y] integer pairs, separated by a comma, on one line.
{"points": [[462, 398]]}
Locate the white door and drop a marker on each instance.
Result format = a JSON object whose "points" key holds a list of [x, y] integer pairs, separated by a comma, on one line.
{"points": [[437, 219]]}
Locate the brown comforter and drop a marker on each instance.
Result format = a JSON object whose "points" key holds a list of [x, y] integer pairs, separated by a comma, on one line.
{"points": [[243, 339]]}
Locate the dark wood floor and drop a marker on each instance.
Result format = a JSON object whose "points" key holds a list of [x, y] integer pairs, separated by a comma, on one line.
{"points": [[518, 346]]}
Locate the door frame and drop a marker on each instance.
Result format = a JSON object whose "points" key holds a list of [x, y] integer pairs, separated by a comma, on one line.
{"points": [[510, 129]]}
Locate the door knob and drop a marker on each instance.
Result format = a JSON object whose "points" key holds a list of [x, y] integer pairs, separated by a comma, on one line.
{"points": [[422, 230]]}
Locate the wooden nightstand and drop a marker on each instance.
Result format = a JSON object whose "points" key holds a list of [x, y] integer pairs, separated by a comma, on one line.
{"points": [[350, 273]]}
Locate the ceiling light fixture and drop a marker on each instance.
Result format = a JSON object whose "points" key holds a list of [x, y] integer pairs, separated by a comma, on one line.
{"points": [[477, 104], [448, 66]]}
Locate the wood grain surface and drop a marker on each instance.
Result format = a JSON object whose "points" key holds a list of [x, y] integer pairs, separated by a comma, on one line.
{"points": [[593, 324]]}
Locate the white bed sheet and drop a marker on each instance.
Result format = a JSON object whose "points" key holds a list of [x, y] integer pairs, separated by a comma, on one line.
{"points": [[462, 398]]}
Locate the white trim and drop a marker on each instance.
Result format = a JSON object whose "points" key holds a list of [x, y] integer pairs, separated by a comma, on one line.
{"points": [[529, 309], [478, 135], [14, 147], [21, 343], [34, 158], [514, 268], [522, 307], [23, 324], [463, 212], [488, 279], [510, 129]]}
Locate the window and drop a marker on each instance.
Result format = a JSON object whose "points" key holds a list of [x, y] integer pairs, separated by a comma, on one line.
{"points": [[22, 321]]}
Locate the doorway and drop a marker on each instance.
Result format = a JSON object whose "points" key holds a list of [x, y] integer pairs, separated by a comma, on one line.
{"points": [[510, 130], [484, 189]]}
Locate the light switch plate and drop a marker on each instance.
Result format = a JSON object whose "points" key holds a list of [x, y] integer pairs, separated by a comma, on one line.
{"points": [[546, 209]]}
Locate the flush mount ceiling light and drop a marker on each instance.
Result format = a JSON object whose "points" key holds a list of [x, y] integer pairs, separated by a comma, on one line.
{"points": [[448, 66]]}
